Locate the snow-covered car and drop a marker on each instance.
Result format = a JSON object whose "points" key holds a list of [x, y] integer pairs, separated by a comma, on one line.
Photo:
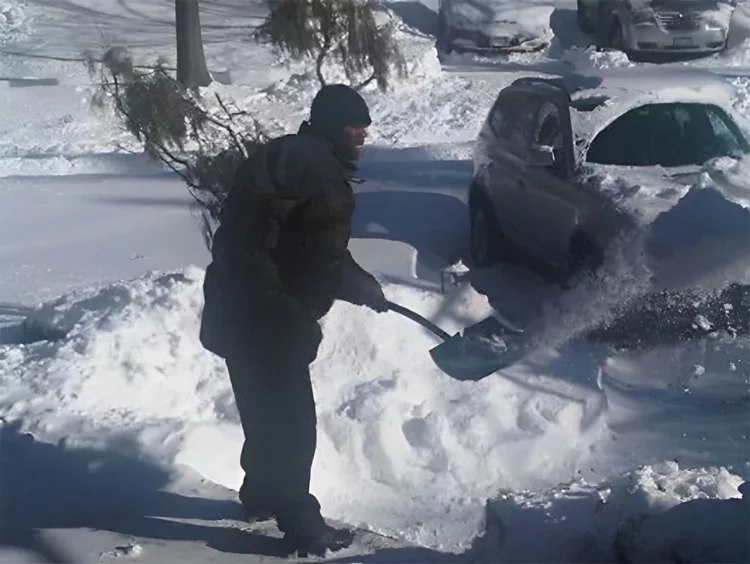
{"points": [[493, 25], [564, 167], [659, 26]]}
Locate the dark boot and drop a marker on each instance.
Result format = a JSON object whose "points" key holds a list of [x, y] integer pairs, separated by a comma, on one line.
{"points": [[257, 514], [256, 505], [318, 541]]}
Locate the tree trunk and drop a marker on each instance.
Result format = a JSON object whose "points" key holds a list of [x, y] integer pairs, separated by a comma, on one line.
{"points": [[191, 60]]}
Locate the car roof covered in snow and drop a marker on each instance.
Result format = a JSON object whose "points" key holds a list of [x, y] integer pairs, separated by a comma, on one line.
{"points": [[597, 99]]}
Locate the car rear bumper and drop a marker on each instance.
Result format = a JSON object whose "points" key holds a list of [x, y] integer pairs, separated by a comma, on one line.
{"points": [[650, 38]]}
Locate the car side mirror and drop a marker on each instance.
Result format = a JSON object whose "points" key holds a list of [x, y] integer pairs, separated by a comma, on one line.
{"points": [[541, 156]]}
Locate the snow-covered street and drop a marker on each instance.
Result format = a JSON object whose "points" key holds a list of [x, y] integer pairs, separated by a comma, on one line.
{"points": [[119, 436]]}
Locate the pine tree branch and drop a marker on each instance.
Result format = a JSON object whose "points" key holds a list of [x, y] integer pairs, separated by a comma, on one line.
{"points": [[367, 82]]}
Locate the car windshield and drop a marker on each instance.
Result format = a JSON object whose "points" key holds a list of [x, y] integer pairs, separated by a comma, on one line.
{"points": [[668, 135]]}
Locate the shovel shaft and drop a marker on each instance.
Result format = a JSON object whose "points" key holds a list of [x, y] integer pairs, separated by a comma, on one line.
{"points": [[429, 325]]}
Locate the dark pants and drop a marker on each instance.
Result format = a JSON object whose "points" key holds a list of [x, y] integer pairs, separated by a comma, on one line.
{"points": [[274, 397]]}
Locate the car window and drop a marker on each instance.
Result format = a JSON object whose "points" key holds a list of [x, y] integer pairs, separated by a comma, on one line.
{"points": [[518, 124], [502, 108], [723, 127], [668, 135], [548, 132]]}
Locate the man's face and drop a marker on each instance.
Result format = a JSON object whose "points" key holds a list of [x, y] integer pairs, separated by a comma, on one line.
{"points": [[351, 141]]}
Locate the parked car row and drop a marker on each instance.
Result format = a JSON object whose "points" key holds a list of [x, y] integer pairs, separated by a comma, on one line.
{"points": [[637, 27], [658, 26]]}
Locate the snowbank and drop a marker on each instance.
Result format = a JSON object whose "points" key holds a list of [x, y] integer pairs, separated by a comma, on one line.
{"points": [[588, 58], [660, 513], [400, 444], [14, 21]]}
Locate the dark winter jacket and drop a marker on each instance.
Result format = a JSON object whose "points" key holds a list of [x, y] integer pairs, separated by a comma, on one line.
{"points": [[280, 255]]}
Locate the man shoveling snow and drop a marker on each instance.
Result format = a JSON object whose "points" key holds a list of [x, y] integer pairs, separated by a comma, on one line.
{"points": [[280, 259]]}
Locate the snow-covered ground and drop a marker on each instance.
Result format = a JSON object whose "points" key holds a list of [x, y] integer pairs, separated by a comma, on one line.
{"points": [[122, 431]]}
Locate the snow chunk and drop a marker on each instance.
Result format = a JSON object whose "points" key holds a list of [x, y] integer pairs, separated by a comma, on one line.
{"points": [[589, 57], [637, 517], [14, 22]]}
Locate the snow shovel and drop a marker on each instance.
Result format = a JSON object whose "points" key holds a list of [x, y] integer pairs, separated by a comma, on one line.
{"points": [[483, 349]]}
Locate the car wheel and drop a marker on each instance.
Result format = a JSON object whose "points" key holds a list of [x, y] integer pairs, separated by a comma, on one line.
{"points": [[583, 18], [484, 232], [585, 259], [444, 36], [616, 37]]}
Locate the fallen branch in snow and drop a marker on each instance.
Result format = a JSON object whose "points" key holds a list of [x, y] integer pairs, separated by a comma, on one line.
{"points": [[203, 145]]}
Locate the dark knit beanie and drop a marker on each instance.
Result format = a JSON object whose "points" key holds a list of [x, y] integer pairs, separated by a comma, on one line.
{"points": [[335, 106]]}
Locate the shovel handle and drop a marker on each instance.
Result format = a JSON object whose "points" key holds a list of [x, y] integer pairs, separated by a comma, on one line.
{"points": [[429, 325]]}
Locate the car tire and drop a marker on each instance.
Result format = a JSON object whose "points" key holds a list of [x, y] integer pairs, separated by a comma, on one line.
{"points": [[616, 38], [585, 259], [584, 23], [444, 39], [484, 233]]}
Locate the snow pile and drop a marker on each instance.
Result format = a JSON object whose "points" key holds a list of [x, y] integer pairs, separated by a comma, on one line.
{"points": [[122, 348], [62, 136], [588, 58], [675, 221], [735, 56], [400, 444], [659, 513], [731, 175], [14, 22], [741, 101], [624, 275]]}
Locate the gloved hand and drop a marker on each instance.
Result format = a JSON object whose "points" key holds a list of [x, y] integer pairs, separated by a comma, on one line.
{"points": [[359, 287], [373, 296]]}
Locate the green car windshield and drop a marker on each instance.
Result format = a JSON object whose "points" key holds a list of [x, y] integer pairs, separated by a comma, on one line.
{"points": [[668, 135]]}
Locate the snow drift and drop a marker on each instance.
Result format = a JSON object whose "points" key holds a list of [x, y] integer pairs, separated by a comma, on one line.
{"points": [[400, 444], [650, 515], [14, 21], [131, 364]]}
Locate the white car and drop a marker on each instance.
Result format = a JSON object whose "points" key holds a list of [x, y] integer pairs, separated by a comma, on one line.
{"points": [[658, 26], [493, 25]]}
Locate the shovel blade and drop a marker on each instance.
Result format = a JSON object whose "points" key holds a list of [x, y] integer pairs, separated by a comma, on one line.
{"points": [[482, 350]]}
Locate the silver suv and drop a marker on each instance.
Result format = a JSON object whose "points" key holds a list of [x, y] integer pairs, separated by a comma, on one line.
{"points": [[658, 26]]}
